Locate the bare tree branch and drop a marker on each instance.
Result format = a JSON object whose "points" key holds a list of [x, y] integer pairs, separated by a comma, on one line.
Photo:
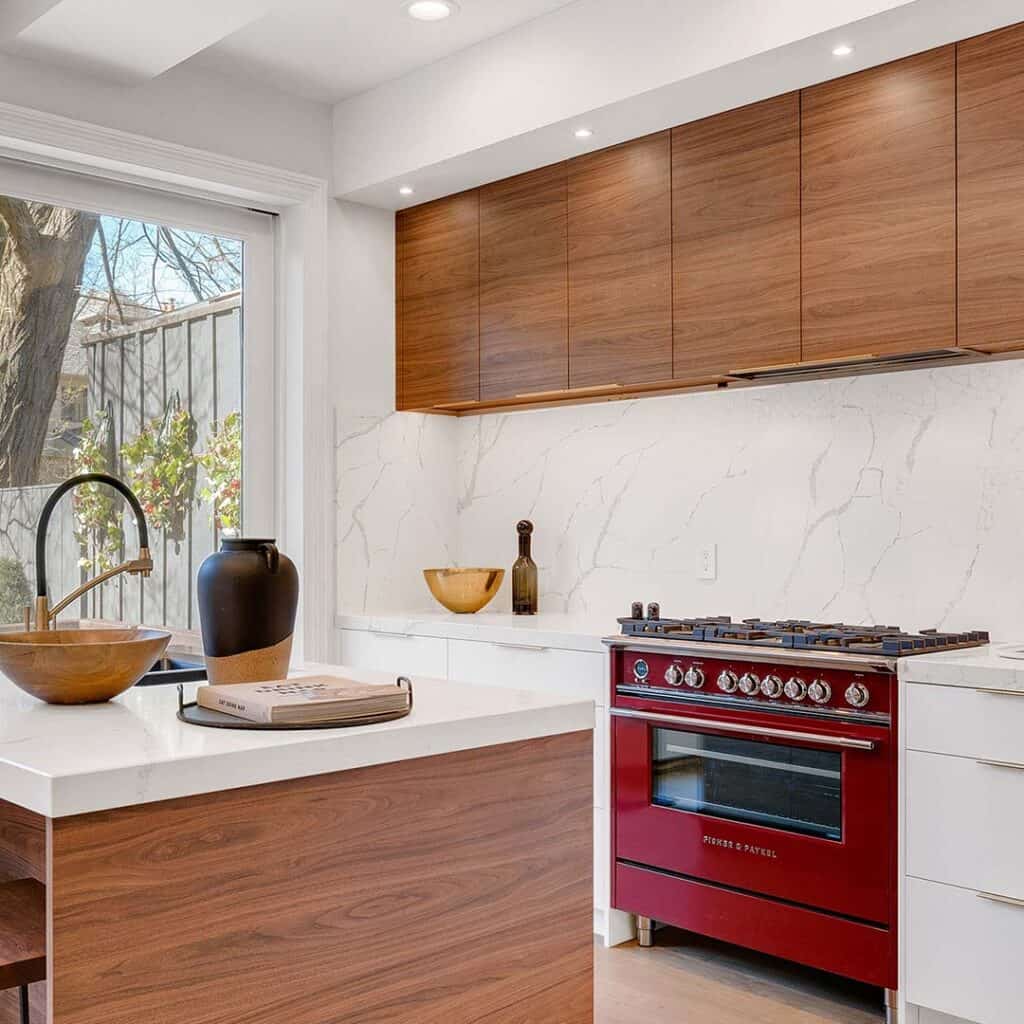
{"points": [[111, 287]]}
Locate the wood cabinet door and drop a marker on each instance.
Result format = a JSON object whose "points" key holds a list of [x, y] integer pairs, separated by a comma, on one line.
{"points": [[620, 264], [990, 145], [736, 239], [438, 336], [879, 210], [524, 300]]}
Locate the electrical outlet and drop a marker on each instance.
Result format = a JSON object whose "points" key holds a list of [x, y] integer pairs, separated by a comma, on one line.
{"points": [[707, 562]]}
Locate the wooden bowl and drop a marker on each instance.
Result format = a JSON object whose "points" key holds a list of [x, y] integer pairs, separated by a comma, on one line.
{"points": [[464, 590], [79, 666]]}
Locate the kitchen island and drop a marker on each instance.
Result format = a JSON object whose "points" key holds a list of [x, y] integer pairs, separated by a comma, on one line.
{"points": [[435, 868]]}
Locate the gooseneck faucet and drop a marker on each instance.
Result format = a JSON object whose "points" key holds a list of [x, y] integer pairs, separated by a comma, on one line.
{"points": [[141, 566]]}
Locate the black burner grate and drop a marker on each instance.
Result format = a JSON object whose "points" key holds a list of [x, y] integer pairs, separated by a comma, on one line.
{"points": [[803, 634]]}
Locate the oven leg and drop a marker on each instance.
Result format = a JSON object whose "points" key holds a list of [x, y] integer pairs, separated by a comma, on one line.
{"points": [[891, 1003], [645, 932]]}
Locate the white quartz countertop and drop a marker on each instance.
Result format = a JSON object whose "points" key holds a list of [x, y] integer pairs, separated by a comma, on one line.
{"points": [[59, 761], [546, 629], [997, 666]]}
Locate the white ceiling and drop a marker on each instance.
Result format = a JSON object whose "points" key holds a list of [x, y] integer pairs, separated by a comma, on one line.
{"points": [[324, 50]]}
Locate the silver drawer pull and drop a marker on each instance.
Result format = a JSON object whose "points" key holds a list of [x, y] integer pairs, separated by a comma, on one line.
{"points": [[996, 898], [522, 647], [393, 636], [847, 742], [999, 693], [1000, 764]]}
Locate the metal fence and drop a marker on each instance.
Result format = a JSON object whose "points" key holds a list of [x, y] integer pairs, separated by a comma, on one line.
{"points": [[192, 356]]}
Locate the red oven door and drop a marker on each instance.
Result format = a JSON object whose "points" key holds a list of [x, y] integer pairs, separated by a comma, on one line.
{"points": [[763, 803]]}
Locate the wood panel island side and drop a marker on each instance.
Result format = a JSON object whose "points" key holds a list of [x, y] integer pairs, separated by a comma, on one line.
{"points": [[433, 869]]}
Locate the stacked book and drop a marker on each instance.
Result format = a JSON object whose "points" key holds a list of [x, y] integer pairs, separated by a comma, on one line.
{"points": [[313, 700]]}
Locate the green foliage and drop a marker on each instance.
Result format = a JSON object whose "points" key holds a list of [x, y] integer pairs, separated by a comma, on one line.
{"points": [[222, 461], [97, 509], [15, 593], [161, 469]]}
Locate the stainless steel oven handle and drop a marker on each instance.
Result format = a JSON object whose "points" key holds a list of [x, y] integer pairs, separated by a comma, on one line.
{"points": [[847, 742]]}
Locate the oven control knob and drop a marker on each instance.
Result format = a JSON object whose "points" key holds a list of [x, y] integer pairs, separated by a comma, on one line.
{"points": [[819, 691], [771, 686], [674, 675], [749, 684], [857, 694], [693, 678], [640, 670], [796, 688], [727, 682]]}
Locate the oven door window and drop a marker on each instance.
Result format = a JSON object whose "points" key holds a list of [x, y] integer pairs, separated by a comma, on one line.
{"points": [[790, 788]]}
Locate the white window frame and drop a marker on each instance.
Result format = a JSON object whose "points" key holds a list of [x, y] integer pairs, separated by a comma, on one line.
{"points": [[257, 233], [304, 449]]}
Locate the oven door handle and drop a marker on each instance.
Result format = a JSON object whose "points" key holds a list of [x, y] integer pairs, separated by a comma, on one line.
{"points": [[846, 742]]}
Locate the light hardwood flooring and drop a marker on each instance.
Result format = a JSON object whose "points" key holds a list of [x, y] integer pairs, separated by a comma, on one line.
{"points": [[686, 979]]}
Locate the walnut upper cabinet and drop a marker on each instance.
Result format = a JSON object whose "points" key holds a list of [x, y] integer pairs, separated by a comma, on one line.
{"points": [[990, 142], [438, 292], [620, 264], [524, 301], [879, 210], [736, 239]]}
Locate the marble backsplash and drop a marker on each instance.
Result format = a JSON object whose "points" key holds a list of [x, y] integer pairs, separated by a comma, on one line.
{"points": [[894, 498]]}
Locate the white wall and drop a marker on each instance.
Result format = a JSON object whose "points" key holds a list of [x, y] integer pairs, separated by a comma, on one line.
{"points": [[895, 498], [190, 106]]}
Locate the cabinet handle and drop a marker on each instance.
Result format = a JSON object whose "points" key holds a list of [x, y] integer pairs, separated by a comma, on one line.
{"points": [[999, 693], [395, 636], [523, 647], [996, 898], [1000, 764]]}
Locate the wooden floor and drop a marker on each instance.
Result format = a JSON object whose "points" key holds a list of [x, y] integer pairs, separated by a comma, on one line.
{"points": [[685, 979]]}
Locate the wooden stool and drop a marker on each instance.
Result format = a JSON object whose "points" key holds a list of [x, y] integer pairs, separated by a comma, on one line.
{"points": [[22, 937]]}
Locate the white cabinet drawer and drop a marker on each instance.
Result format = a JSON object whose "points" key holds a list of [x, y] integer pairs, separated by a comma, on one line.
{"points": [[526, 667], [966, 722], [963, 953], [394, 652], [965, 823]]}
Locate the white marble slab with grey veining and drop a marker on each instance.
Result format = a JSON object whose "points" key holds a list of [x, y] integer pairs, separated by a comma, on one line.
{"points": [[59, 761], [998, 666]]}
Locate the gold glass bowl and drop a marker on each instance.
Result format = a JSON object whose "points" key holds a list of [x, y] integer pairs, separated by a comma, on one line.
{"points": [[464, 590], [79, 666]]}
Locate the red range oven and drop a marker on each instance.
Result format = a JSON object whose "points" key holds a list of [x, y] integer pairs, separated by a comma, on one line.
{"points": [[754, 796]]}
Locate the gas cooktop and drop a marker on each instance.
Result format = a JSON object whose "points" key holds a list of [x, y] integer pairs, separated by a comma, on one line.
{"points": [[797, 634]]}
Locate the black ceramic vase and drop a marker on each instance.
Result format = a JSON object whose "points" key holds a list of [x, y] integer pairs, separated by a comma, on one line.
{"points": [[248, 594]]}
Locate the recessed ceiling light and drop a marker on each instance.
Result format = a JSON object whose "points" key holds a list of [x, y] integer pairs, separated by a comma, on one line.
{"points": [[431, 10], [405, 190], [583, 133], [842, 50]]}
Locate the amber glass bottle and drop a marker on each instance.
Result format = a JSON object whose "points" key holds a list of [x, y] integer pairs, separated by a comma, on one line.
{"points": [[524, 573]]}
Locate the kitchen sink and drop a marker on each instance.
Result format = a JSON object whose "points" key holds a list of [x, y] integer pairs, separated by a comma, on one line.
{"points": [[173, 670]]}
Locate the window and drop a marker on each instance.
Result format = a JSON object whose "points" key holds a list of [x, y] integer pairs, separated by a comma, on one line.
{"points": [[136, 338]]}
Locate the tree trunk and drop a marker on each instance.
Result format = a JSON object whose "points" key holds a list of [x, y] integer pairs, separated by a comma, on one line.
{"points": [[42, 256]]}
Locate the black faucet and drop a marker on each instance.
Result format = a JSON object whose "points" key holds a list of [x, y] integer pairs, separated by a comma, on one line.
{"points": [[142, 566]]}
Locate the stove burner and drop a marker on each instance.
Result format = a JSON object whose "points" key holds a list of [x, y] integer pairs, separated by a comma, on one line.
{"points": [[889, 641]]}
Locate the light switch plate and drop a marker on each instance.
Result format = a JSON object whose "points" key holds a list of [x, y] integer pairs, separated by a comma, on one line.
{"points": [[707, 562]]}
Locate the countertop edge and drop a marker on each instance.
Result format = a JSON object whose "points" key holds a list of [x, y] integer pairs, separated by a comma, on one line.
{"points": [[979, 668]]}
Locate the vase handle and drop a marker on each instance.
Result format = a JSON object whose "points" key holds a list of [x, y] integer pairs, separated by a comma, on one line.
{"points": [[272, 555]]}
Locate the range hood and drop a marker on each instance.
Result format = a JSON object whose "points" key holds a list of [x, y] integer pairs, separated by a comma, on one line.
{"points": [[848, 364]]}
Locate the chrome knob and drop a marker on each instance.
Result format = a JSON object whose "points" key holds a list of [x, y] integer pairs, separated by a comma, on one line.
{"points": [[749, 684], [857, 694], [694, 678], [727, 681], [819, 691], [674, 675], [771, 686], [796, 688]]}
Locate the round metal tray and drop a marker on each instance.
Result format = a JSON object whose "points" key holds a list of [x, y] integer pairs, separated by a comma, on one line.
{"points": [[193, 714]]}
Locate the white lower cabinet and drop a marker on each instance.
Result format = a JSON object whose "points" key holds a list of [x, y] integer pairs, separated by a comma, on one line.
{"points": [[963, 828], [401, 653], [963, 953], [577, 674]]}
